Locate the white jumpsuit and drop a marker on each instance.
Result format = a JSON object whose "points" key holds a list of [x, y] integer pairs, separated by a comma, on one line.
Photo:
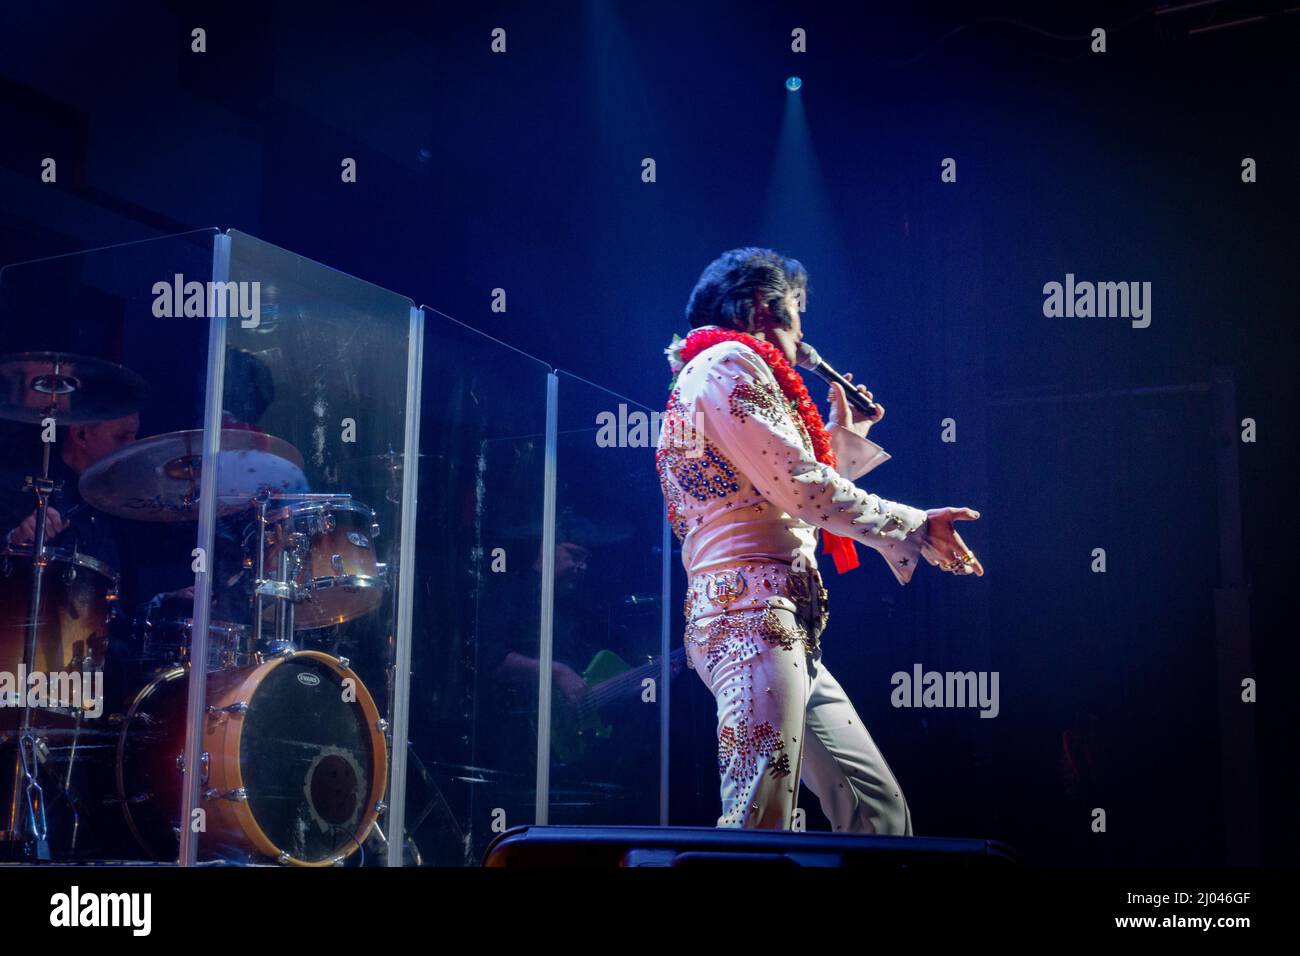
{"points": [[746, 495]]}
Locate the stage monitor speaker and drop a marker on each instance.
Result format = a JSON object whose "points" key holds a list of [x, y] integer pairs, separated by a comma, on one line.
{"points": [[549, 846]]}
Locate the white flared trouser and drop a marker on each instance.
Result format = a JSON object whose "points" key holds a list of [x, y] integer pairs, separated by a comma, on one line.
{"points": [[782, 717]]}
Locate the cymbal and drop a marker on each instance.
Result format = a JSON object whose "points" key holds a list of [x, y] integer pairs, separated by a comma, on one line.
{"points": [[157, 479], [72, 389]]}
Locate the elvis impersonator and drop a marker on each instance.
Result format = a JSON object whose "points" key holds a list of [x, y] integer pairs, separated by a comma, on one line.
{"points": [[750, 472]]}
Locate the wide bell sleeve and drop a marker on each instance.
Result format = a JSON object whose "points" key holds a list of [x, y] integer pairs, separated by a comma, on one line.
{"points": [[854, 454]]}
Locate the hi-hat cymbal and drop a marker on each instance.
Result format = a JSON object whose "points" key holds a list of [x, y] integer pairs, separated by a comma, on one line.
{"points": [[72, 389], [157, 479]]}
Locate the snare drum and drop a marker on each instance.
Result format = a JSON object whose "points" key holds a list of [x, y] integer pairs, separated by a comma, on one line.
{"points": [[320, 555], [165, 643]]}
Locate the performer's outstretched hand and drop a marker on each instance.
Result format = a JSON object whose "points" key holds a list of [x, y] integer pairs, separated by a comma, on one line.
{"points": [[944, 546], [842, 411]]}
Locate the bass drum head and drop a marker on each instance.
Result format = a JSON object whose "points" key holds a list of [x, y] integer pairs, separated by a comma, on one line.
{"points": [[311, 758], [296, 778]]}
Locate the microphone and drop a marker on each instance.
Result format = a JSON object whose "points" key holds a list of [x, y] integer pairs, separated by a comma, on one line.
{"points": [[809, 359]]}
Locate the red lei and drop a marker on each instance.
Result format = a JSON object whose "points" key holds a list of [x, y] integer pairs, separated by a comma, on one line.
{"points": [[796, 393], [792, 386]]}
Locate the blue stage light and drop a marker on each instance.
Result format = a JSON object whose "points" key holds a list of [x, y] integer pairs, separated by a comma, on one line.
{"points": [[793, 83]]}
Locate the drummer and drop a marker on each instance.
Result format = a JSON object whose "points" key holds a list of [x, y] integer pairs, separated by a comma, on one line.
{"points": [[249, 392], [70, 522]]}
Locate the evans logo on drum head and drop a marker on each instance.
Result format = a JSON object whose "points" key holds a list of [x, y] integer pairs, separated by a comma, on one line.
{"points": [[309, 680]]}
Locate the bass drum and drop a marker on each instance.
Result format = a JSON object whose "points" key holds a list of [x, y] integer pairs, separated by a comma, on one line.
{"points": [[294, 762]]}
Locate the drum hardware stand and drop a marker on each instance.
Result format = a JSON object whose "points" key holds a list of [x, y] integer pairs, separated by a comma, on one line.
{"points": [[288, 574], [27, 800], [436, 799], [380, 841], [66, 788], [285, 595], [259, 570]]}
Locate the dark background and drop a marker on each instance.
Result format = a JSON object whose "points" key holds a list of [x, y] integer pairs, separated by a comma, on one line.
{"points": [[523, 172]]}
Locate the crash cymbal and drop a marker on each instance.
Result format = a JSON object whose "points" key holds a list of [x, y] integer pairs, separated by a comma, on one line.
{"points": [[157, 479], [73, 389]]}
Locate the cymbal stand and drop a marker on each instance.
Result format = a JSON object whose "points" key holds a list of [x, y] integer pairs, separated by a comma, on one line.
{"points": [[26, 823], [259, 569]]}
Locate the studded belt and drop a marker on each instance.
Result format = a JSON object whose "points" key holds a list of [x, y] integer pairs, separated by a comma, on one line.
{"points": [[756, 585]]}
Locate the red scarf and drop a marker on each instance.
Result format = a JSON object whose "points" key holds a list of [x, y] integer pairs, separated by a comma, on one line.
{"points": [[796, 393]]}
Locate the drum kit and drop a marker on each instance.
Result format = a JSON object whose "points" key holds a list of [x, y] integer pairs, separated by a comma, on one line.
{"points": [[295, 756]]}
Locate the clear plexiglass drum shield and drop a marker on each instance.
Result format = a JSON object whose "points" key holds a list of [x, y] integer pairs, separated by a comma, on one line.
{"points": [[479, 583], [608, 756], [312, 397], [235, 455]]}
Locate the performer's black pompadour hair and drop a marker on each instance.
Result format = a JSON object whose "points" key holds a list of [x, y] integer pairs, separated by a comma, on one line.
{"points": [[726, 290]]}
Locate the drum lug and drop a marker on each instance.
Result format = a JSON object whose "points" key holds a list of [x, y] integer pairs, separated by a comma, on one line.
{"points": [[283, 859], [381, 725], [239, 795], [380, 806], [336, 562], [203, 765], [239, 707], [344, 662]]}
